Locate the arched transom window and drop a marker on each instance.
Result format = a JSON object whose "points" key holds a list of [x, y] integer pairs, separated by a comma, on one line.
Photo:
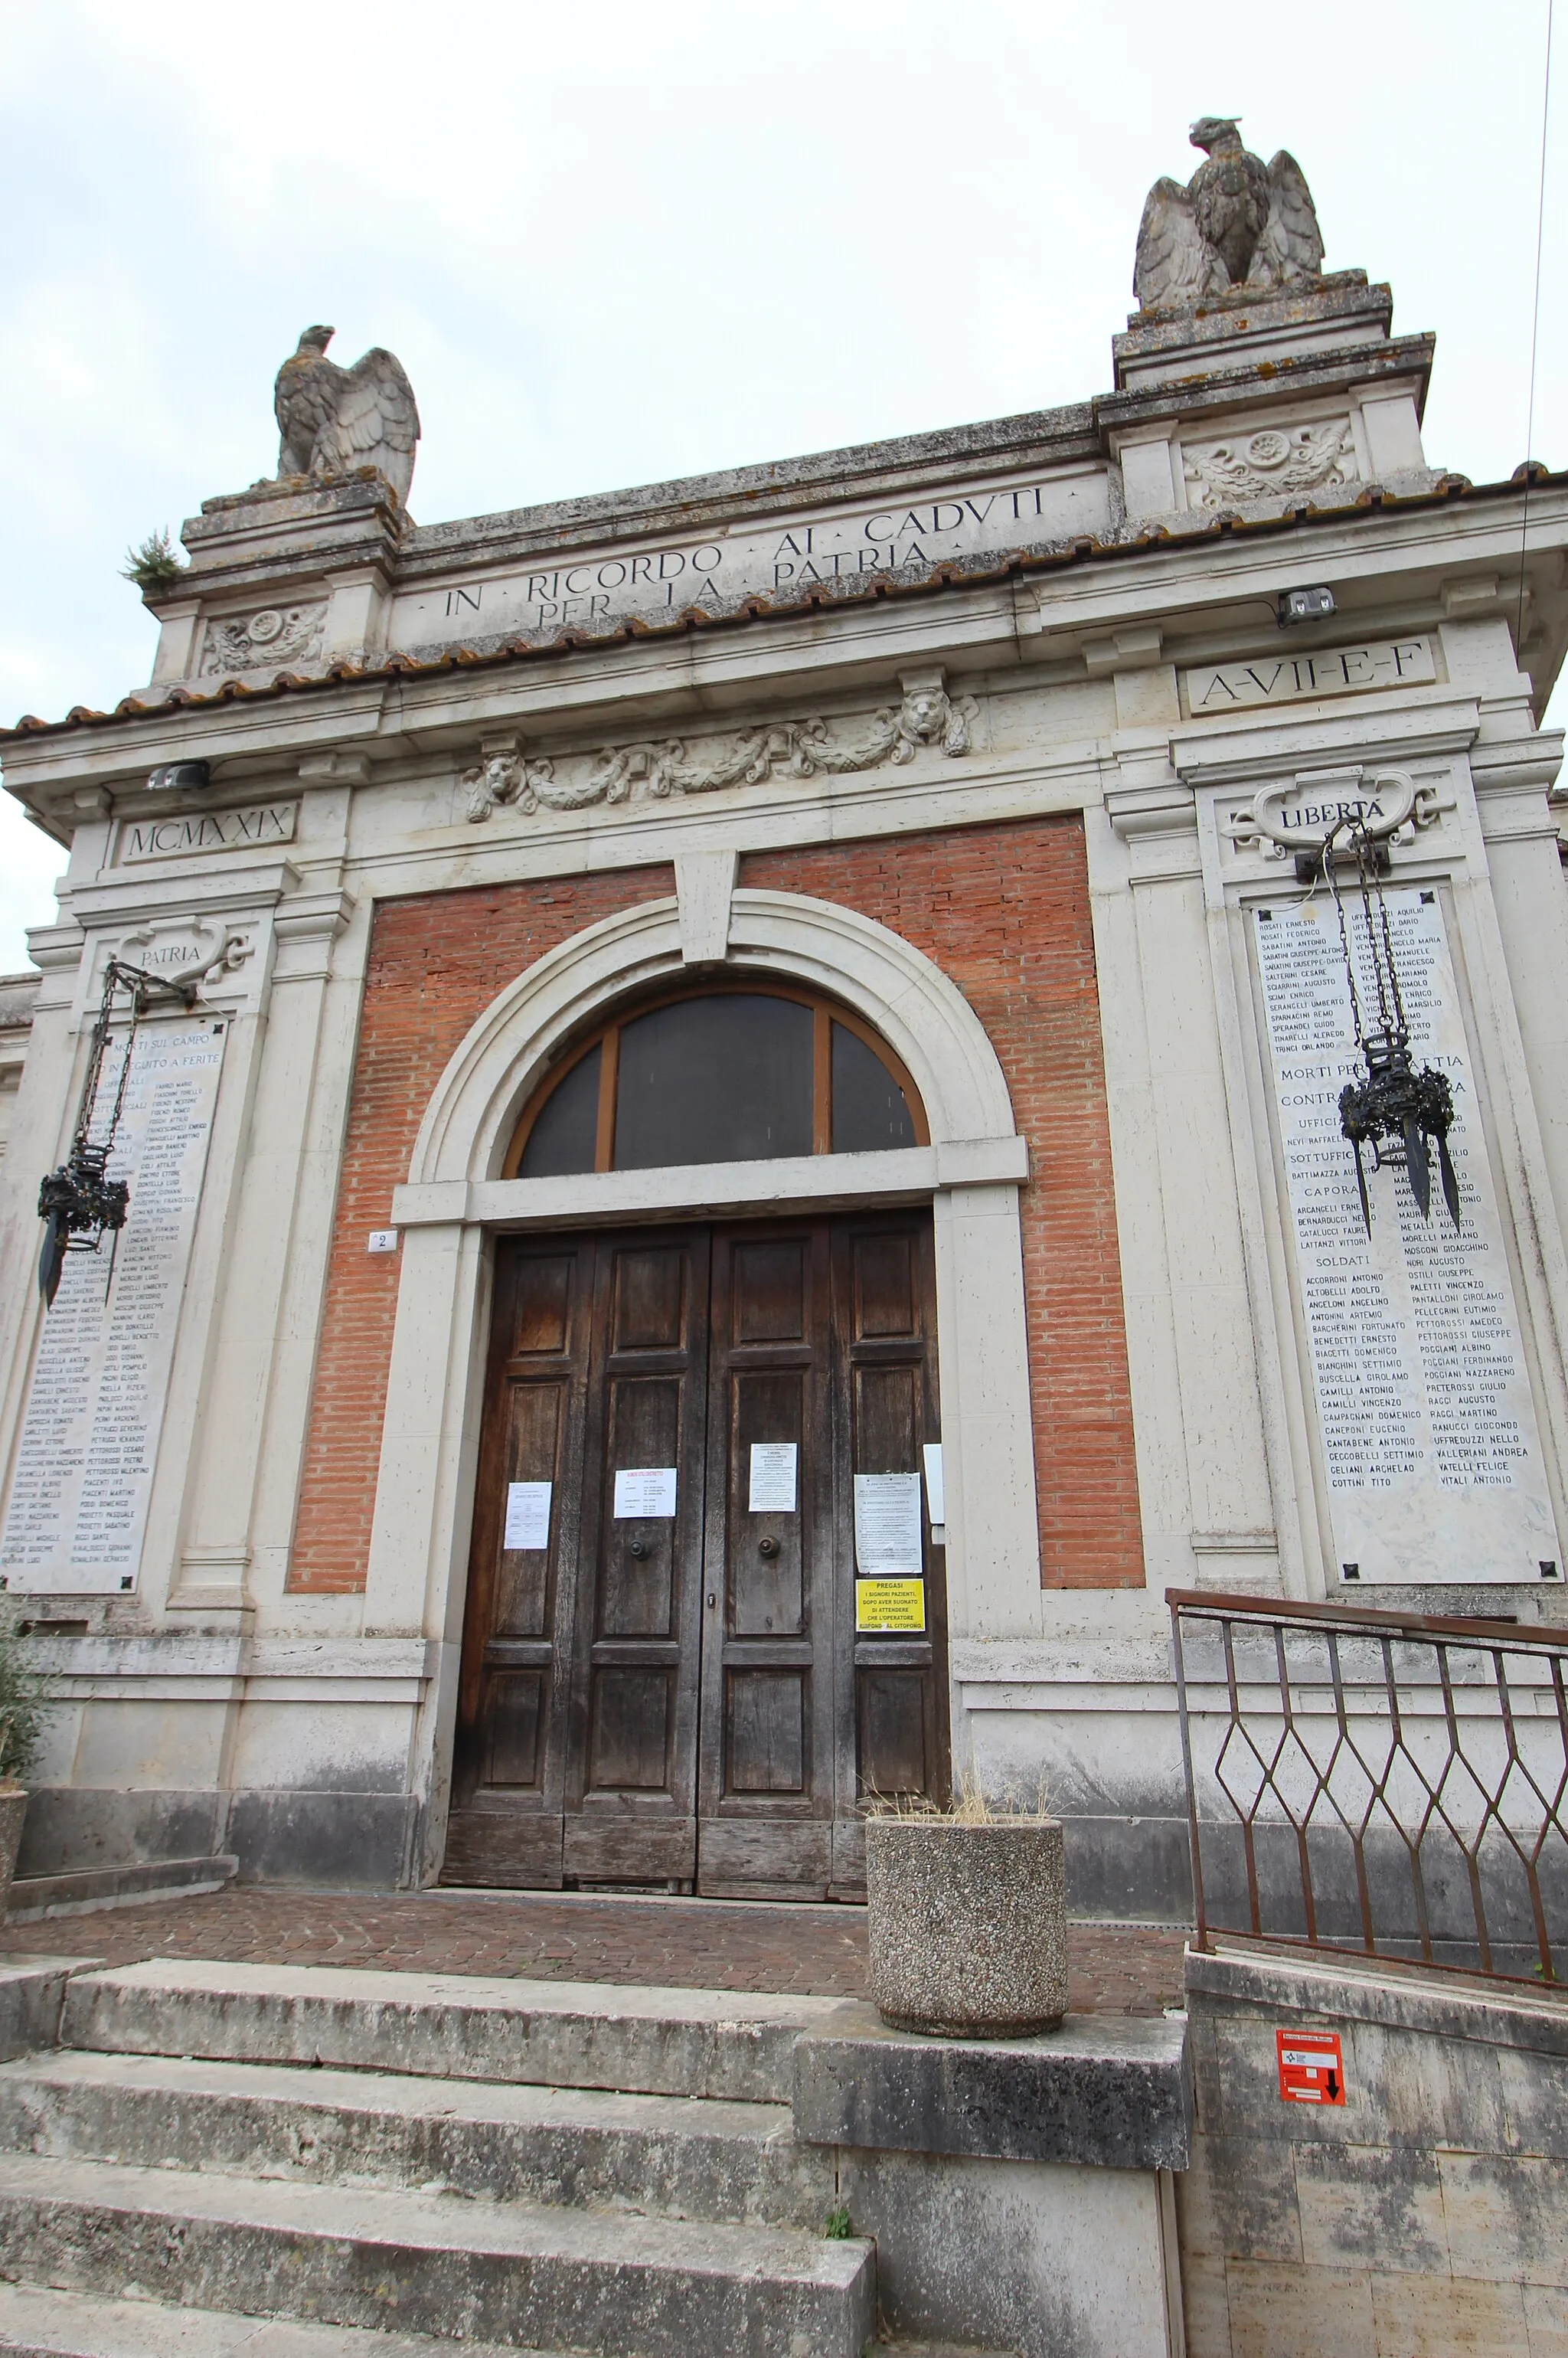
{"points": [[731, 1073]]}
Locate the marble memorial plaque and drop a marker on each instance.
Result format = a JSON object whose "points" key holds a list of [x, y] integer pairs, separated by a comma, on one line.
{"points": [[1429, 1436], [598, 588], [83, 1467]]}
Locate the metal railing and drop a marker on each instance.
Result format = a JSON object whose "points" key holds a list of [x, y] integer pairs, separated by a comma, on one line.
{"points": [[1389, 1784]]}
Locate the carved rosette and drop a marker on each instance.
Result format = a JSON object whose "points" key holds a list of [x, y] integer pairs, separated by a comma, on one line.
{"points": [[1275, 462], [273, 639], [927, 720]]}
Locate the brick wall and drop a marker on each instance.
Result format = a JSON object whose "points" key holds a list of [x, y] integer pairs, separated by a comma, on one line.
{"points": [[437, 961], [1004, 912]]}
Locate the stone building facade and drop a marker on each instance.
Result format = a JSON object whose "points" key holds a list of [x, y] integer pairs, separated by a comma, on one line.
{"points": [[776, 963]]}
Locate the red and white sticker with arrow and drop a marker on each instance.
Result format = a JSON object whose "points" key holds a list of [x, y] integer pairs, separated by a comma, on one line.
{"points": [[1311, 2071]]}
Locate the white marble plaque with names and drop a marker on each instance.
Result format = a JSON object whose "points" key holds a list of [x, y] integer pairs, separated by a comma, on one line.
{"points": [[1429, 1434], [82, 1474]]}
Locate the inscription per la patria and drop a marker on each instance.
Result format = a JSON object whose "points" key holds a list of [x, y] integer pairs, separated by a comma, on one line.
{"points": [[1430, 1444], [82, 1476]]}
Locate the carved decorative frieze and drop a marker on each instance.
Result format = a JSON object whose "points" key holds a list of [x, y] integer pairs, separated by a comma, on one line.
{"points": [[271, 639], [1277, 460], [927, 719]]}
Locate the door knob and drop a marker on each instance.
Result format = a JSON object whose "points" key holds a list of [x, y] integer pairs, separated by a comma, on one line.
{"points": [[640, 1548], [769, 1546]]}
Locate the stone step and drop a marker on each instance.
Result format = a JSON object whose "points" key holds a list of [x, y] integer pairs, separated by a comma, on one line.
{"points": [[674, 2042], [37, 2321], [510, 2273], [35, 1898], [691, 2158]]}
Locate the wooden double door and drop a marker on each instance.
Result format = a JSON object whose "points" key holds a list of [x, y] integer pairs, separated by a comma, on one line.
{"points": [[676, 1693]]}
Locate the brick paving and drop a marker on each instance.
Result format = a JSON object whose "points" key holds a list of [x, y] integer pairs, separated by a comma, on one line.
{"points": [[669, 1943]]}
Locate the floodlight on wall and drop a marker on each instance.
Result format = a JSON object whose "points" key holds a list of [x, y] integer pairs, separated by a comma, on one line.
{"points": [[189, 777], [1312, 605]]}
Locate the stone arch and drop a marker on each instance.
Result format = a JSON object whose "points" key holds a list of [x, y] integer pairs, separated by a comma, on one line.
{"points": [[923, 1016]]}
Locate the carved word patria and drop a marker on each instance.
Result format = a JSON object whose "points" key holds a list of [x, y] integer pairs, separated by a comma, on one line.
{"points": [[928, 718], [189, 949], [1327, 671], [187, 831], [270, 639], [1276, 459]]}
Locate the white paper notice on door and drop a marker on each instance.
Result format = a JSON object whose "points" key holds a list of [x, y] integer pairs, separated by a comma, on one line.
{"points": [[773, 1478], [528, 1515], [643, 1491], [886, 1525], [935, 1498]]}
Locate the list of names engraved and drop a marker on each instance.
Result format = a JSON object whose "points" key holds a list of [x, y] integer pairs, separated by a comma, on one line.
{"points": [[83, 1470], [1430, 1442]]}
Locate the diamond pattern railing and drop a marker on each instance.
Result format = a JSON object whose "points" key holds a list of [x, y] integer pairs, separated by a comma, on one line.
{"points": [[1387, 1784]]}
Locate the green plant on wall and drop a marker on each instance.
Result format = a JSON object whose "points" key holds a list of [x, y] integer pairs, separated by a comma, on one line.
{"points": [[23, 1703], [153, 564]]}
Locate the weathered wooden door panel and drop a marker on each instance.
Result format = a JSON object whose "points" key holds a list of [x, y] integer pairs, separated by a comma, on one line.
{"points": [[632, 1767], [891, 1721], [767, 1773], [506, 1824]]}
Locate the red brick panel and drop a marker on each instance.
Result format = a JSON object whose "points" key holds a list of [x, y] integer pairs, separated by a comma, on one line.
{"points": [[1004, 912], [437, 961]]}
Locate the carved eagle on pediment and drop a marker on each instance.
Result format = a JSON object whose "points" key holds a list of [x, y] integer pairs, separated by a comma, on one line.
{"points": [[334, 419], [1237, 223]]}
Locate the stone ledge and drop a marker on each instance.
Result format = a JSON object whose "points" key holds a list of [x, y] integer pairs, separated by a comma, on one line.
{"points": [[36, 1896], [1114, 2094], [1341, 1988]]}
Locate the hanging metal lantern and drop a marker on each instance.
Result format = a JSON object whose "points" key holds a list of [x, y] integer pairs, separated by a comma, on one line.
{"points": [[1401, 1109], [78, 1204]]}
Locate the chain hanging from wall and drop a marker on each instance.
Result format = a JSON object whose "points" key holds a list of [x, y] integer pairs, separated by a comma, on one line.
{"points": [[1401, 1109], [79, 1204]]}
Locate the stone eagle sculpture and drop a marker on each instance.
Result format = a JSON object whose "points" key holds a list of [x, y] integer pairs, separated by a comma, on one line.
{"points": [[1237, 223], [334, 419]]}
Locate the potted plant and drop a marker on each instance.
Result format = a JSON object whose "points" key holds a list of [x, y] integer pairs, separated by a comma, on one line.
{"points": [[22, 1710], [967, 1916]]}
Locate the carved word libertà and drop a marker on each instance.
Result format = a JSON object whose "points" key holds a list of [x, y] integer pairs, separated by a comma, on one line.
{"points": [[1300, 813], [928, 718]]}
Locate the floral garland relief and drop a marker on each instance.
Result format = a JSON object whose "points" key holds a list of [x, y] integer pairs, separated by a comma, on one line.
{"points": [[927, 718]]}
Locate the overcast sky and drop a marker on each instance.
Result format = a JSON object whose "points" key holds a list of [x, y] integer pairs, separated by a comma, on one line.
{"points": [[618, 242]]}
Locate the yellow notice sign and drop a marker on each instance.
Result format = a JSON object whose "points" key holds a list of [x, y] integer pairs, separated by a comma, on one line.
{"points": [[890, 1604]]}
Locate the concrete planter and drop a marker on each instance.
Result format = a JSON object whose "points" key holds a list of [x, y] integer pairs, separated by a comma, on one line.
{"points": [[967, 1925], [13, 1810]]}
